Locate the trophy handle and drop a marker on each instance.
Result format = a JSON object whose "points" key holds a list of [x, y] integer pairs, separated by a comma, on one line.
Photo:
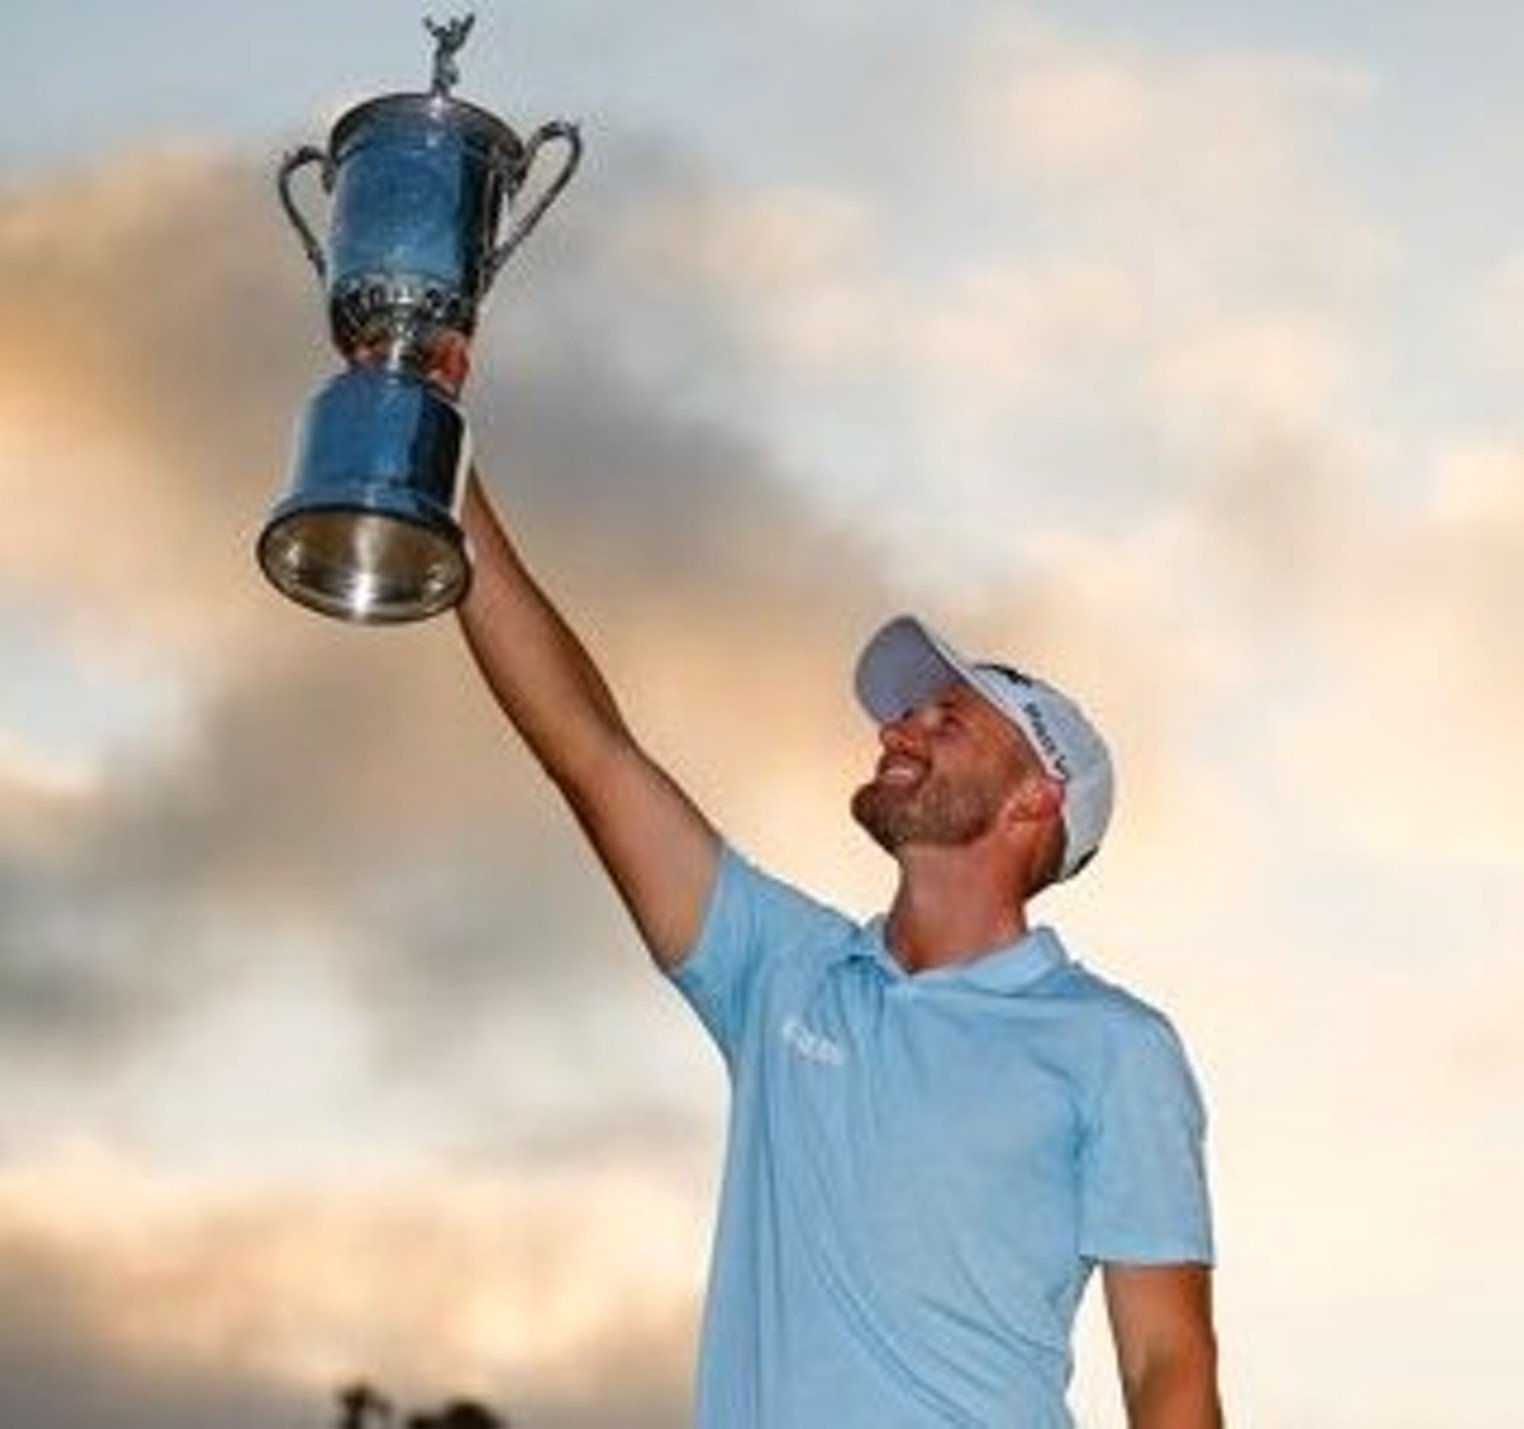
{"points": [[294, 160], [566, 134]]}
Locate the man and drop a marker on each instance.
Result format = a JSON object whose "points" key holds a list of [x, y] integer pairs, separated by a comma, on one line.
{"points": [[940, 1122]]}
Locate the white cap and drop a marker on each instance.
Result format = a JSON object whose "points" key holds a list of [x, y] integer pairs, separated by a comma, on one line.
{"points": [[905, 663]]}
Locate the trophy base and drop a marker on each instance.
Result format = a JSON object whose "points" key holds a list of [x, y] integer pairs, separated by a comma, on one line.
{"points": [[368, 532], [363, 567]]}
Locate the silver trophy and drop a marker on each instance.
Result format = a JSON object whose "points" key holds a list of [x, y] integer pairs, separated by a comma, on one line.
{"points": [[368, 529]]}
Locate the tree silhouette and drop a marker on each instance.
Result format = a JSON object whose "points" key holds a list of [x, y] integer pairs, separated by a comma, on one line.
{"points": [[361, 1406], [459, 1414]]}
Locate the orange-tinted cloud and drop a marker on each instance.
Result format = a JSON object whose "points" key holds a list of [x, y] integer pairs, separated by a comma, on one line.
{"points": [[527, 1288]]}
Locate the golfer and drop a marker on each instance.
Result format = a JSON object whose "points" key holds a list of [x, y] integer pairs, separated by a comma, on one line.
{"points": [[940, 1123]]}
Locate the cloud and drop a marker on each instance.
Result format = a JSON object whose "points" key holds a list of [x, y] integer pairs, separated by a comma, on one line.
{"points": [[1097, 270], [360, 778], [528, 1289], [349, 792], [1208, 144], [1419, 691], [716, 411], [155, 403], [1090, 361], [54, 1373]]}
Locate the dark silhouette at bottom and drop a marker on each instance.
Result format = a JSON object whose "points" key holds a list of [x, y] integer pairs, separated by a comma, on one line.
{"points": [[458, 1414], [361, 1406]]}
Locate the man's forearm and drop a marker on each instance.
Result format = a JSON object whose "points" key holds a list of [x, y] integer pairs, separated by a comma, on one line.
{"points": [[1177, 1395], [1161, 1321]]}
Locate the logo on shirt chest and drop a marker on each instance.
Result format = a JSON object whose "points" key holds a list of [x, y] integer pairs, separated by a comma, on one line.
{"points": [[811, 1045]]}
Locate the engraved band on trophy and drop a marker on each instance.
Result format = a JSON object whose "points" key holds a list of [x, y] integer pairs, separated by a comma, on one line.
{"points": [[368, 529]]}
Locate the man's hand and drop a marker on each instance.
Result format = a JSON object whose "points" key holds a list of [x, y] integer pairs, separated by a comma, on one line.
{"points": [[1161, 1322]]}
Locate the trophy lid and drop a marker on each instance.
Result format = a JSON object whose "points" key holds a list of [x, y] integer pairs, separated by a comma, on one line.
{"points": [[436, 108]]}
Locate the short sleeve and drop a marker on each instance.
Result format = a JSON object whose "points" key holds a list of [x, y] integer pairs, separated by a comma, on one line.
{"points": [[1143, 1186], [752, 923]]}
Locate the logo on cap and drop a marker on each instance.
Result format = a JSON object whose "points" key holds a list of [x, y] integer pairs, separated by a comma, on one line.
{"points": [[1044, 737]]}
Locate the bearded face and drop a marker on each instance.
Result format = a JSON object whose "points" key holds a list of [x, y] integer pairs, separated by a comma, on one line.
{"points": [[945, 771], [933, 809]]}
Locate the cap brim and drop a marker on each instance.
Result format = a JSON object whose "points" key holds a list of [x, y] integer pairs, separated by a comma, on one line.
{"points": [[904, 664]]}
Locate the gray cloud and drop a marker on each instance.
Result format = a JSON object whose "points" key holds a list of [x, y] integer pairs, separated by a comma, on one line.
{"points": [[58, 1370], [130, 1298], [63, 1364], [360, 776]]}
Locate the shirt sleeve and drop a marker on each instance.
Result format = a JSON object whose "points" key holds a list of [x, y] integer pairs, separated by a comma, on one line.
{"points": [[753, 923], [1143, 1187]]}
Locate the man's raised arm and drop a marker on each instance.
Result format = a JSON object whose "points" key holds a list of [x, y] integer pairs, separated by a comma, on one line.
{"points": [[659, 849]]}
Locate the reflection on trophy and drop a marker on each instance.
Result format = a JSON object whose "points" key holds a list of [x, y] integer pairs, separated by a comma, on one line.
{"points": [[368, 529]]}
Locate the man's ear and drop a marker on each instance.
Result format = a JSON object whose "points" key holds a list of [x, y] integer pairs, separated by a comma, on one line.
{"points": [[1037, 797], [1033, 818]]}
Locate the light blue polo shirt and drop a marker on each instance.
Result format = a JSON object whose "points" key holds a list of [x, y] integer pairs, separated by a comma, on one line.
{"points": [[921, 1170]]}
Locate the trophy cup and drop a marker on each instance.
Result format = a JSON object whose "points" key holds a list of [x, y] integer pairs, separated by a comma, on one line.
{"points": [[368, 529]]}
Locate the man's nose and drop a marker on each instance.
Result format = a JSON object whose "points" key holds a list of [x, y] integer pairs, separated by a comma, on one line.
{"points": [[903, 735]]}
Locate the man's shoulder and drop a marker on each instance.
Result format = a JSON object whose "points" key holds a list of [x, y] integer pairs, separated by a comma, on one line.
{"points": [[760, 934], [1122, 1037], [781, 905], [1112, 1008]]}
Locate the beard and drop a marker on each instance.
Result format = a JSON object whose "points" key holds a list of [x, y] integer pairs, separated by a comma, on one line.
{"points": [[933, 811]]}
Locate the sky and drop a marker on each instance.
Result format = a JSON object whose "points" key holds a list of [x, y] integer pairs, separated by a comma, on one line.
{"points": [[1172, 351]]}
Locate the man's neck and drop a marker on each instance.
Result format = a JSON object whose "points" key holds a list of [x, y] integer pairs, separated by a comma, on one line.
{"points": [[950, 908]]}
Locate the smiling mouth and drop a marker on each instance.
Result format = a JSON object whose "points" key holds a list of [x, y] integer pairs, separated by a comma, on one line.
{"points": [[899, 772]]}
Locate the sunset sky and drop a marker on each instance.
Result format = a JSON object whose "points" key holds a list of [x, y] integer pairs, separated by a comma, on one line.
{"points": [[1174, 350]]}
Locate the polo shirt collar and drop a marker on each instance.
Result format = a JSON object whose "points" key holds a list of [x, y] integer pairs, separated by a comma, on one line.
{"points": [[1008, 970]]}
